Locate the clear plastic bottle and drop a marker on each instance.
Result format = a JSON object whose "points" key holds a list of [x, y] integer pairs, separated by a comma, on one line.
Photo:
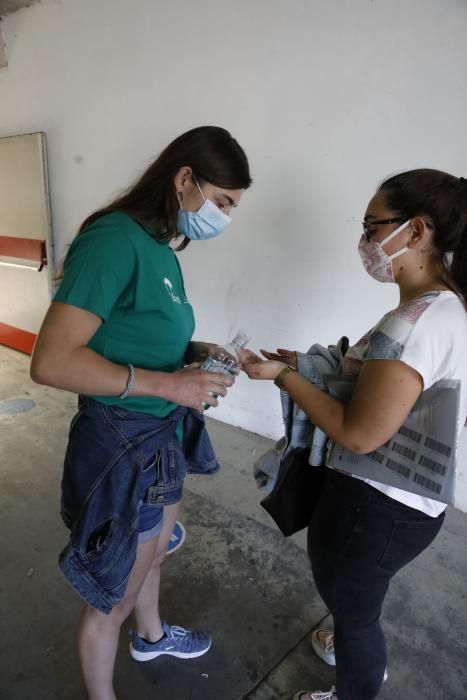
{"points": [[225, 359]]}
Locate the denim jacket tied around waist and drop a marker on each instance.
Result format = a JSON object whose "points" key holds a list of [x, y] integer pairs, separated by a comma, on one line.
{"points": [[108, 450]]}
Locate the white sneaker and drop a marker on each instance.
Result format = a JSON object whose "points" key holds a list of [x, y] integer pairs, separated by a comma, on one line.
{"points": [[322, 641], [316, 695]]}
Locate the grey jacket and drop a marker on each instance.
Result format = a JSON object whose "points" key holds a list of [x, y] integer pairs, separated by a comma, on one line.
{"points": [[317, 365]]}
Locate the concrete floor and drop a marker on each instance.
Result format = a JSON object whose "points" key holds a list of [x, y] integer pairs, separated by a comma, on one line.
{"points": [[235, 576]]}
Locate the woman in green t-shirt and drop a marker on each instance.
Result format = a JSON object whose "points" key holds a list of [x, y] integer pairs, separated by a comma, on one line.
{"points": [[118, 333]]}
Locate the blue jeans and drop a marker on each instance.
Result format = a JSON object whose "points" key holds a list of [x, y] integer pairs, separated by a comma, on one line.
{"points": [[357, 540]]}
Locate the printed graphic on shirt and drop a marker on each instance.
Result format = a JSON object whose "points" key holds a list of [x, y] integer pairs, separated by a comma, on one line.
{"points": [[382, 346], [169, 287], [412, 311], [386, 341], [173, 296]]}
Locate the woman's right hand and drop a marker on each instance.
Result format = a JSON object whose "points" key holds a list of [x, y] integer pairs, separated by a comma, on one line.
{"points": [[193, 387]]}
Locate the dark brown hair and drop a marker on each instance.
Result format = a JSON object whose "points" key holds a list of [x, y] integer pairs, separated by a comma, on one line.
{"points": [[442, 198], [214, 156]]}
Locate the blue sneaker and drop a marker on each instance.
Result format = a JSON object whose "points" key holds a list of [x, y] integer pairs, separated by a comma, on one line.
{"points": [[177, 538], [178, 642]]}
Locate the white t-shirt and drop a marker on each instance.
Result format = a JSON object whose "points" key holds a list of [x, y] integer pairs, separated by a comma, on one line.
{"points": [[428, 333]]}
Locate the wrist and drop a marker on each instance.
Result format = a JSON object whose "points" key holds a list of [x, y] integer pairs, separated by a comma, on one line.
{"points": [[129, 384], [149, 383], [280, 378]]}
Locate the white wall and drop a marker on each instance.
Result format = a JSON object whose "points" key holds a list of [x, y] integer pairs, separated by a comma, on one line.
{"points": [[326, 96]]}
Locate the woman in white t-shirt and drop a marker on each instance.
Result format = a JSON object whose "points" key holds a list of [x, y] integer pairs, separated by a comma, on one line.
{"points": [[363, 532]]}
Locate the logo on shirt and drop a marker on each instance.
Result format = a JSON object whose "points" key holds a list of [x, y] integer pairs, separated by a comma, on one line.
{"points": [[169, 287]]}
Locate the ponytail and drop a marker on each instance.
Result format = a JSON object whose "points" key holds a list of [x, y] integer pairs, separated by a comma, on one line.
{"points": [[458, 270]]}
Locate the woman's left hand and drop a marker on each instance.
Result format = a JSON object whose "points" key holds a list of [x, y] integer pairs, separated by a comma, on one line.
{"points": [[256, 368]]}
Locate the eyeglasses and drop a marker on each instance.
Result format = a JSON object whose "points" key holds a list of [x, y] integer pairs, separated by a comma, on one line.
{"points": [[368, 225]]}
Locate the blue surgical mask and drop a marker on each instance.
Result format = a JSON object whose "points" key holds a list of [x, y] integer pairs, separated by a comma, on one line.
{"points": [[208, 222]]}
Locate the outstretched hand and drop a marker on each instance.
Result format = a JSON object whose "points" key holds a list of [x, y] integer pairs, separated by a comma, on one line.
{"points": [[282, 355], [257, 368]]}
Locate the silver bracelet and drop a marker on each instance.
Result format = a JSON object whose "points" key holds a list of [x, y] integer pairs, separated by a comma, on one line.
{"points": [[130, 383]]}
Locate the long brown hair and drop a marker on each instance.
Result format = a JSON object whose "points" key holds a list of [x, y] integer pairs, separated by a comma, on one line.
{"points": [[214, 156], [443, 199]]}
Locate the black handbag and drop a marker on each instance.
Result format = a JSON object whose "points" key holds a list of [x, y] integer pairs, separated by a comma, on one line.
{"points": [[295, 494]]}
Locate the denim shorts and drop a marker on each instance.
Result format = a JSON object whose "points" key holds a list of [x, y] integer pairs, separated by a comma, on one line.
{"points": [[151, 517]]}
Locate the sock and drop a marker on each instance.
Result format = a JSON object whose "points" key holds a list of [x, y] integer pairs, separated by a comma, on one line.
{"points": [[157, 640]]}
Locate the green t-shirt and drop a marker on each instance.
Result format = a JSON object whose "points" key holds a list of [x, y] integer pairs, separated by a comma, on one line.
{"points": [[116, 270]]}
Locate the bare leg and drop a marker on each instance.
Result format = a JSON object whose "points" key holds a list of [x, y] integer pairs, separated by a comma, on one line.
{"points": [[146, 609], [98, 633]]}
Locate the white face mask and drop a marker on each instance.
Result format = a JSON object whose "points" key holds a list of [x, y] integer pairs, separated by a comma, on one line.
{"points": [[377, 263]]}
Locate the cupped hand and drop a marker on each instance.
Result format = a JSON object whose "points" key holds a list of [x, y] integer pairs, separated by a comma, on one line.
{"points": [[282, 355], [257, 368], [194, 387], [247, 356]]}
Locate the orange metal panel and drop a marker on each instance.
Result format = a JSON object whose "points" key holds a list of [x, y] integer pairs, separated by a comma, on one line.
{"points": [[16, 338], [25, 248]]}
